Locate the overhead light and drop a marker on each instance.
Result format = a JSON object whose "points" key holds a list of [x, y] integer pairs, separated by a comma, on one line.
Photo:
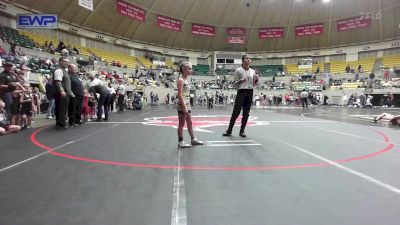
{"points": [[326, 1]]}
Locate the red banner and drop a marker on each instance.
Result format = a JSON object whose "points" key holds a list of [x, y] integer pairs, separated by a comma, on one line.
{"points": [[169, 23], [271, 32], [131, 11], [236, 40], [236, 31], [203, 30], [309, 30], [353, 23]]}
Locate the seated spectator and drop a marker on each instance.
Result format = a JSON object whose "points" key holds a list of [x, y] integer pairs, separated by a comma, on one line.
{"points": [[347, 69], [2, 51], [5, 126], [51, 48], [386, 75], [76, 50], [64, 52], [115, 75], [61, 46]]}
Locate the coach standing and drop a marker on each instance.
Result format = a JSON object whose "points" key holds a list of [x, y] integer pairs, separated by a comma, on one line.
{"points": [[245, 80], [76, 103], [62, 93]]}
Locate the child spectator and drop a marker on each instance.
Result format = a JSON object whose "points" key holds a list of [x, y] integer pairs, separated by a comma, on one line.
{"points": [[26, 108], [92, 106], [85, 109], [5, 126]]}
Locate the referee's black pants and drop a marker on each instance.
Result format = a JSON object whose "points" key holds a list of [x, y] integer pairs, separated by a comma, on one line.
{"points": [[244, 98]]}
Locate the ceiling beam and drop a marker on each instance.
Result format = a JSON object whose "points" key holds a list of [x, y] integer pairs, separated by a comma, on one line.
{"points": [[140, 25], [96, 7], [253, 23], [184, 21], [330, 24], [380, 19], [290, 22]]}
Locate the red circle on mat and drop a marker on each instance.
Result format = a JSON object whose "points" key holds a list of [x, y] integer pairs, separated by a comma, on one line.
{"points": [[226, 168]]}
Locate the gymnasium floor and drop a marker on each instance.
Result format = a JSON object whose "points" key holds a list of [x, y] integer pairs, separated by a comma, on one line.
{"points": [[321, 166]]}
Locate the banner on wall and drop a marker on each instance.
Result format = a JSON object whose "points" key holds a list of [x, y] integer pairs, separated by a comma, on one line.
{"points": [[236, 31], [131, 11], [37, 21], [169, 23], [236, 40], [307, 86], [352, 23], [88, 4], [271, 32], [309, 30], [203, 30]]}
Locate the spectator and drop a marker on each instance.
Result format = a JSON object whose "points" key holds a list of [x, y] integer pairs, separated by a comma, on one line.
{"points": [[64, 52], [8, 83], [102, 102], [347, 69], [36, 101], [92, 80], [386, 75], [121, 91], [61, 46], [304, 99], [76, 50], [50, 98], [86, 107], [51, 48], [5, 126], [26, 101], [25, 73], [112, 98]]}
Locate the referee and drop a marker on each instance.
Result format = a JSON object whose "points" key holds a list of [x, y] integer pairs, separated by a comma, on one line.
{"points": [[245, 80]]}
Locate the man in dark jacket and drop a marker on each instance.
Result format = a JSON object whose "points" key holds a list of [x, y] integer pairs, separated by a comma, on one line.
{"points": [[75, 103], [8, 84], [103, 101]]}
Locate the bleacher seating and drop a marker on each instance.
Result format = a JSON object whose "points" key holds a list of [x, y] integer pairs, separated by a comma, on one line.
{"points": [[391, 61], [129, 61], [41, 40], [146, 62], [268, 70], [348, 86], [339, 67], [224, 72], [21, 40], [169, 64], [201, 69]]}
